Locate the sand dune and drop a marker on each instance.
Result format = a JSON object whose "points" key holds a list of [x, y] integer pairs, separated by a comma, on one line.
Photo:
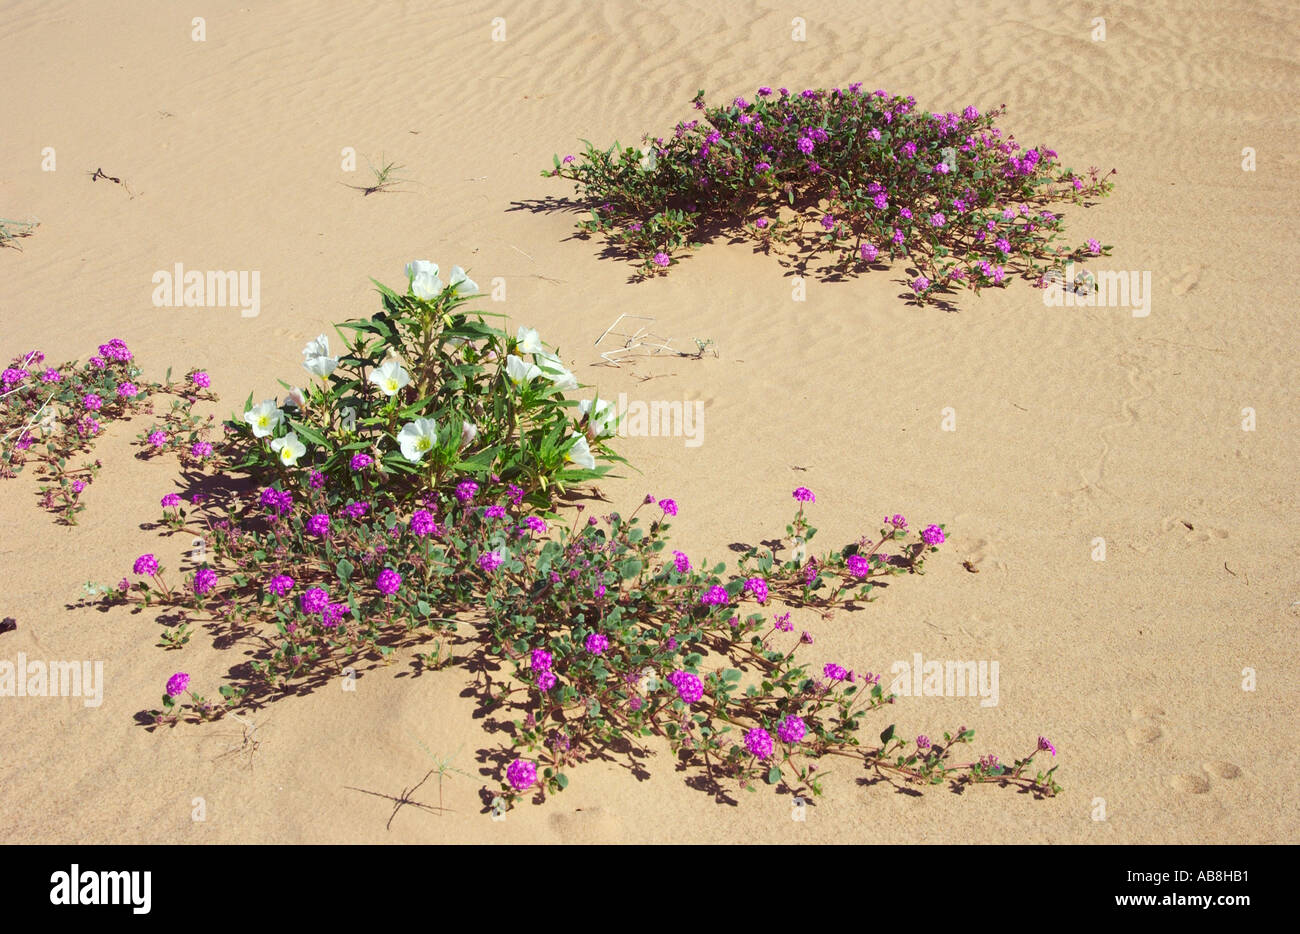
{"points": [[1072, 424]]}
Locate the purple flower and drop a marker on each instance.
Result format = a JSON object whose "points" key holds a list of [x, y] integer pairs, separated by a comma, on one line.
{"points": [[388, 582], [540, 660], [535, 524], [759, 742], [858, 565], [662, 259], [681, 562], [357, 509], [909, 150], [881, 201], [805, 145], [897, 522], [280, 585], [97, 363], [278, 501], [91, 401], [668, 506], [145, 565], [937, 219], [836, 672], [201, 449], [597, 643], [13, 377], [51, 375], [494, 512], [158, 438], [115, 350], [204, 580], [201, 379], [782, 622], [1001, 243], [466, 490], [521, 773], [923, 742], [758, 587], [546, 680], [128, 390], [314, 601], [920, 285], [422, 523], [761, 222], [177, 684], [869, 252], [78, 485], [942, 168], [715, 596], [490, 560], [319, 525], [932, 535], [792, 729], [804, 495], [828, 221], [689, 687], [1094, 247], [333, 613], [1045, 746], [361, 461], [171, 500]]}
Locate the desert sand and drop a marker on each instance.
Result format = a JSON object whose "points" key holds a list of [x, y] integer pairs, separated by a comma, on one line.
{"points": [[1072, 424]]}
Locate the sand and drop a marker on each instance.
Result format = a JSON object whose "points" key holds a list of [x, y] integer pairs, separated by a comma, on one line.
{"points": [[1072, 424]]}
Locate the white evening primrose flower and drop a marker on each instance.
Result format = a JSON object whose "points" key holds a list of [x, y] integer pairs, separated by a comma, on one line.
{"points": [[579, 454], [423, 276], [519, 372], [316, 357], [296, 399], [461, 284], [528, 341], [264, 417], [289, 449], [601, 416], [389, 377], [554, 370], [468, 432], [417, 438]]}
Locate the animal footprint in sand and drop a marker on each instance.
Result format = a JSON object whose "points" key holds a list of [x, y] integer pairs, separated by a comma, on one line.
{"points": [[1148, 726], [1186, 280], [1194, 783], [1196, 533]]}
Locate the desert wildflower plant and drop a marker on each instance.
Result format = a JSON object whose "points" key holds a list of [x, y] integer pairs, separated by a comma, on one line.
{"points": [[52, 416], [861, 178], [419, 498]]}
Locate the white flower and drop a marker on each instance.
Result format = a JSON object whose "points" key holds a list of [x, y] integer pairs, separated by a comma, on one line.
{"points": [[423, 276], [296, 399], [520, 372], [389, 377], [528, 341], [601, 416], [468, 432], [580, 454], [264, 417], [316, 357], [649, 159], [348, 418], [290, 449], [554, 370], [462, 284], [417, 438]]}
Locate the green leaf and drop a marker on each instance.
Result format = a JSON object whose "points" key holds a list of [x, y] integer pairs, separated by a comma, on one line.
{"points": [[887, 734], [344, 569], [774, 775]]}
